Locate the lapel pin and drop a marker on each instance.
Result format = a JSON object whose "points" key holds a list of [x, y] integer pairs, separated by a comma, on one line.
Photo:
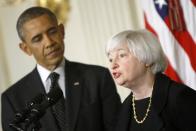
{"points": [[76, 83]]}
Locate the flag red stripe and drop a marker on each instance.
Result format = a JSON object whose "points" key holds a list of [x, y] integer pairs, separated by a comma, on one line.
{"points": [[169, 71], [148, 26], [172, 73], [194, 2], [186, 42]]}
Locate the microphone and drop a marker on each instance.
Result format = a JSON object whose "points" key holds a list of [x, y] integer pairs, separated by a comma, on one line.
{"points": [[38, 111], [35, 109], [20, 116]]}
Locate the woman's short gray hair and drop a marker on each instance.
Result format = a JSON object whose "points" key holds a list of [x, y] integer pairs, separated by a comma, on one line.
{"points": [[144, 45]]}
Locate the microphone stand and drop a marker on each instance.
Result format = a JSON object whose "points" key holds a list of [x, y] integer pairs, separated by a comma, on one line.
{"points": [[37, 126]]}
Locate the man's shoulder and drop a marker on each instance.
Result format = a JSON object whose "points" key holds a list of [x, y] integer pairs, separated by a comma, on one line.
{"points": [[18, 85], [86, 67]]}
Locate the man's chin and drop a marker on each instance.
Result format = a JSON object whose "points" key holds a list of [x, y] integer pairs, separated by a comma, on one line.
{"points": [[55, 62]]}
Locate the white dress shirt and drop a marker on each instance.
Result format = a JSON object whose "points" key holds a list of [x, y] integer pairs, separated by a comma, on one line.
{"points": [[44, 74]]}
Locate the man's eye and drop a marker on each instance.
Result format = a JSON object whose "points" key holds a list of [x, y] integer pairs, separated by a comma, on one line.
{"points": [[52, 31], [36, 39]]}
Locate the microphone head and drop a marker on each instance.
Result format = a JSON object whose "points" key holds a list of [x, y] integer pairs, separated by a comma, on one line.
{"points": [[54, 95], [21, 115], [36, 100], [37, 112]]}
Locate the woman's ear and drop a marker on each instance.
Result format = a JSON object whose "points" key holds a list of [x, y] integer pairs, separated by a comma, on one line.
{"points": [[148, 65], [25, 48]]}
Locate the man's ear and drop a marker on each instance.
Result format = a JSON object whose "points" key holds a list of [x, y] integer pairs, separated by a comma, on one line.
{"points": [[62, 30], [24, 47]]}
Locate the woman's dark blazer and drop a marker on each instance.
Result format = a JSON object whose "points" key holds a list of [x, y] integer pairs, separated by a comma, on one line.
{"points": [[174, 103]]}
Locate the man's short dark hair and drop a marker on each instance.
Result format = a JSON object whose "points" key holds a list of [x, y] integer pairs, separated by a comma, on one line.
{"points": [[30, 14]]}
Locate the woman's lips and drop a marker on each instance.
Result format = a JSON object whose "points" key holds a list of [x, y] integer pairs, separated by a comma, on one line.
{"points": [[116, 75]]}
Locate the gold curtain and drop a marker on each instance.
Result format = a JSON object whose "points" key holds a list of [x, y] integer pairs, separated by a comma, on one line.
{"points": [[60, 7]]}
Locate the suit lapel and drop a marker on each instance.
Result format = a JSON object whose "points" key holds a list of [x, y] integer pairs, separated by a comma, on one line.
{"points": [[160, 92], [73, 92], [35, 83], [159, 98]]}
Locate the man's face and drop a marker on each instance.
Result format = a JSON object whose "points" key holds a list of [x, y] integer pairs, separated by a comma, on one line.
{"points": [[44, 40]]}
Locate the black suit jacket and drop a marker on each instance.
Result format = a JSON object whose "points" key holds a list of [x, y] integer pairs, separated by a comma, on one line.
{"points": [[92, 99], [173, 103]]}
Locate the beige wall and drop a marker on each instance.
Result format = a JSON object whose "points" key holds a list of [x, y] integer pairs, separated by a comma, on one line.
{"points": [[91, 23]]}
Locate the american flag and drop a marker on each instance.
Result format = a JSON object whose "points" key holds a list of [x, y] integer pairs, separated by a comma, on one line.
{"points": [[174, 23]]}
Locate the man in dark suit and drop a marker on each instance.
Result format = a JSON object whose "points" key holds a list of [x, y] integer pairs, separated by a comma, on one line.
{"points": [[90, 96]]}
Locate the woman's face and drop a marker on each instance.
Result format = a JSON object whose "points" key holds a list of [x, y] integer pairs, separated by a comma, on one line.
{"points": [[125, 68]]}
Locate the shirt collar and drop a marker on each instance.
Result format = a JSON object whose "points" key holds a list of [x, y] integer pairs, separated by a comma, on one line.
{"points": [[44, 73]]}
